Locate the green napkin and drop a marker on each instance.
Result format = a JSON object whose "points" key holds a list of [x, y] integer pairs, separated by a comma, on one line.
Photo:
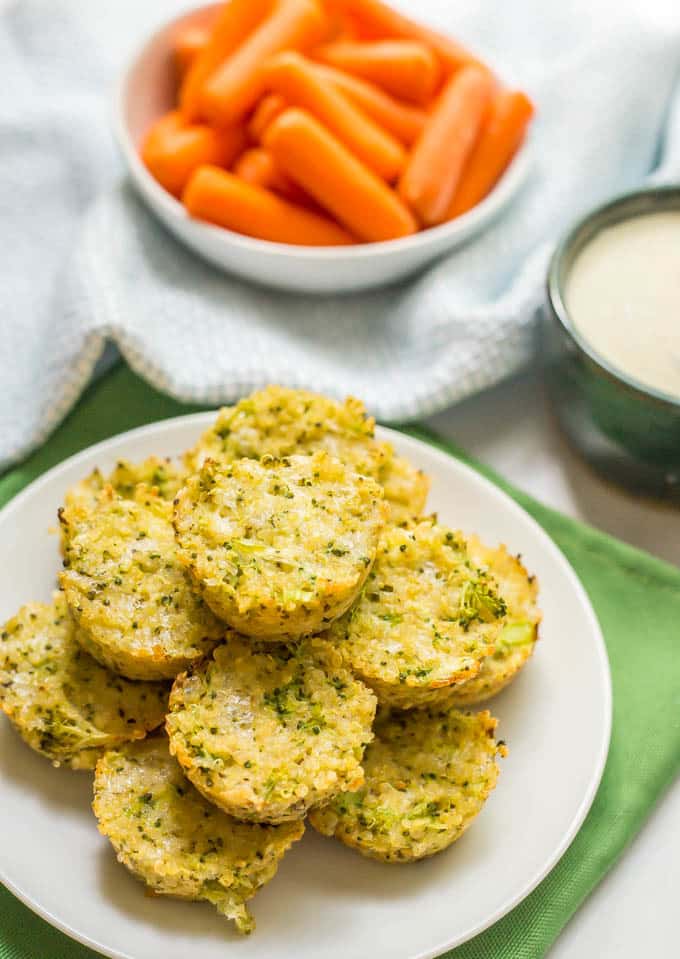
{"points": [[637, 599]]}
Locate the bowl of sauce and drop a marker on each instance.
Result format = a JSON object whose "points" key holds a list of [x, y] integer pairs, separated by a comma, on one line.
{"points": [[610, 339]]}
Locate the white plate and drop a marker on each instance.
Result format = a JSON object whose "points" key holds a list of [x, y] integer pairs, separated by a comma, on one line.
{"points": [[326, 900]]}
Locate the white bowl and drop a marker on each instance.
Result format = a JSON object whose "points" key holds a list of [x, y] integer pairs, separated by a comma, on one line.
{"points": [[147, 90]]}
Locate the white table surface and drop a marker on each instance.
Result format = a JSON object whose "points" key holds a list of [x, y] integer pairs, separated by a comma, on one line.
{"points": [[633, 912]]}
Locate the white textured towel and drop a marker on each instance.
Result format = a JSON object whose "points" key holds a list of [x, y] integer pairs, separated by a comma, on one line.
{"points": [[82, 261]]}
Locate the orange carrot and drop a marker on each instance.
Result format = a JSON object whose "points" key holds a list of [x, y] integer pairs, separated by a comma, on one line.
{"points": [[237, 20], [500, 139], [343, 27], [380, 21], [337, 180], [220, 197], [438, 158], [404, 68], [235, 88], [402, 120], [188, 45], [173, 149], [267, 110], [259, 168], [295, 79], [192, 35]]}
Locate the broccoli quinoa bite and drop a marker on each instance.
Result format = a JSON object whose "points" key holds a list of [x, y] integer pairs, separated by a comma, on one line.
{"points": [[428, 773], [64, 704], [159, 474], [426, 618], [279, 422], [265, 732], [132, 599], [516, 641], [406, 487], [175, 841], [279, 548]]}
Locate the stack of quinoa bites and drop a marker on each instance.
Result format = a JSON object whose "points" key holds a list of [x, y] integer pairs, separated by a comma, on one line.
{"points": [[269, 630]]}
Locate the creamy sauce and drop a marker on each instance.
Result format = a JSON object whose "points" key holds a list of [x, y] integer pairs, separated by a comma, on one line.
{"points": [[623, 296]]}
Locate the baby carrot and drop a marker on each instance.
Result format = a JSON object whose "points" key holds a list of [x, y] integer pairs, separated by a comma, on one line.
{"points": [[259, 168], [438, 158], [380, 21], [500, 139], [220, 197], [337, 180], [341, 26], [267, 110], [236, 86], [188, 45], [402, 120], [236, 21], [404, 68], [295, 79], [173, 149]]}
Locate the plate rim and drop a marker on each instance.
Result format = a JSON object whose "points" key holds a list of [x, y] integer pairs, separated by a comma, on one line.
{"points": [[528, 886]]}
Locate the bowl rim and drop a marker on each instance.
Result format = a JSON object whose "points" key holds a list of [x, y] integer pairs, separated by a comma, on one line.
{"points": [[624, 206], [467, 225]]}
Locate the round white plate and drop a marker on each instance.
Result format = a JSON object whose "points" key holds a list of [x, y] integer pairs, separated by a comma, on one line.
{"points": [[326, 900]]}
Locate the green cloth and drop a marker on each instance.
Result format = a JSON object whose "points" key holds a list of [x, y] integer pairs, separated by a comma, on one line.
{"points": [[637, 599]]}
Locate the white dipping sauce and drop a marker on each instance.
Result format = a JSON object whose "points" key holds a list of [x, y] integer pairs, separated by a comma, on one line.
{"points": [[623, 296]]}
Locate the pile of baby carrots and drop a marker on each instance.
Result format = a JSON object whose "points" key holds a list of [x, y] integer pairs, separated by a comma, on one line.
{"points": [[328, 122]]}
